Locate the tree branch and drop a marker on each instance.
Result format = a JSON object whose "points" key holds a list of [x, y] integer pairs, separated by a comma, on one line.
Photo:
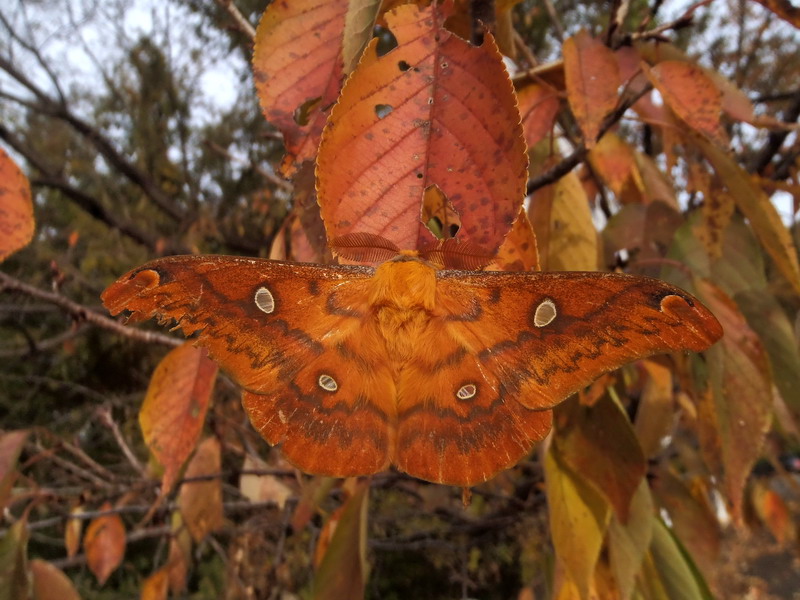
{"points": [[82, 313]]}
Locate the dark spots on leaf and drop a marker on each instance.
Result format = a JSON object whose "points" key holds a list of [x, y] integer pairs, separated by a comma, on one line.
{"points": [[419, 176], [403, 66], [369, 136]]}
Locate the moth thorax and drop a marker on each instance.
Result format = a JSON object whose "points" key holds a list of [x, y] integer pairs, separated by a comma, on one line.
{"points": [[404, 284]]}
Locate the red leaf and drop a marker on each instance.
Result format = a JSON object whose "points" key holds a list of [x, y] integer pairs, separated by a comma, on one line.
{"points": [[434, 110], [298, 70]]}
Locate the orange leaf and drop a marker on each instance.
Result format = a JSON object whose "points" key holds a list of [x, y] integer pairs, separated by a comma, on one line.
{"points": [[72, 532], [50, 582], [16, 207], [614, 160], [519, 251], [592, 79], [538, 107], [298, 70], [11, 444], [156, 586], [104, 544], [175, 407], [200, 502], [434, 110], [692, 95], [785, 9]]}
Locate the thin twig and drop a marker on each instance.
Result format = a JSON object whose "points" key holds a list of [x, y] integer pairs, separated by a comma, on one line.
{"points": [[242, 24], [82, 313], [104, 413]]}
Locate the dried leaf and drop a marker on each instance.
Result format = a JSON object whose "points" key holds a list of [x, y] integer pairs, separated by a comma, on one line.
{"points": [[16, 207], [654, 417], [104, 544], [692, 95], [72, 532], [298, 71], [592, 79], [615, 162], [435, 110], [51, 583], [358, 23], [761, 213], [11, 444], [13, 562], [200, 502], [598, 443], [175, 407], [343, 571], [538, 106], [692, 517], [734, 419], [628, 542], [574, 507], [563, 225]]}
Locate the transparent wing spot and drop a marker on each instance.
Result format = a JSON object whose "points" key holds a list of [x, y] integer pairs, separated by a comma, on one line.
{"points": [[545, 313], [327, 383], [265, 301]]}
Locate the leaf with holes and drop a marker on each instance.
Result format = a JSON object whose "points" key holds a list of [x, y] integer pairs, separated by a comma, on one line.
{"points": [[16, 207], [298, 71], [175, 407], [434, 110]]}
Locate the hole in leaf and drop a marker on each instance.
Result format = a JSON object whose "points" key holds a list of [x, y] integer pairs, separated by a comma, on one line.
{"points": [[403, 65], [386, 40], [302, 113], [419, 175], [383, 110], [438, 213]]}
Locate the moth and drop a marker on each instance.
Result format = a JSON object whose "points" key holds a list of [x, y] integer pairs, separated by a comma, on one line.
{"points": [[446, 374]]}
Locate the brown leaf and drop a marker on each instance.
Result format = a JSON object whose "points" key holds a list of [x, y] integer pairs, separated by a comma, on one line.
{"points": [[599, 445], [175, 407], [734, 419], [16, 207], [563, 225], [11, 444], [538, 106], [692, 517], [435, 110], [104, 544], [50, 582], [762, 214], [692, 95], [200, 502], [654, 417], [298, 71], [574, 507], [358, 23], [343, 570], [592, 79]]}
